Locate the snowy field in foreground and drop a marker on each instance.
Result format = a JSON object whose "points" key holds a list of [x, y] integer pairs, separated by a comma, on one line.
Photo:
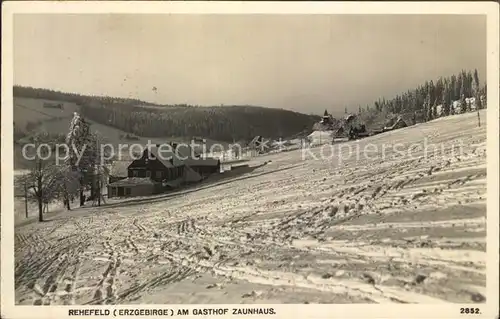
{"points": [[292, 231]]}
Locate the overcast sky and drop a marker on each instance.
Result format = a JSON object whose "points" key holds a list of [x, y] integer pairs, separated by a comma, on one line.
{"points": [[300, 62]]}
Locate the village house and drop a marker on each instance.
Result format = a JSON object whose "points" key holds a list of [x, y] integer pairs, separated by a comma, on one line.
{"points": [[160, 169], [119, 170], [352, 127], [327, 119], [340, 132], [203, 166], [133, 186]]}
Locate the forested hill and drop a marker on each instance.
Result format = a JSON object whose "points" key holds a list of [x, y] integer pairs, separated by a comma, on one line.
{"points": [[223, 123]]}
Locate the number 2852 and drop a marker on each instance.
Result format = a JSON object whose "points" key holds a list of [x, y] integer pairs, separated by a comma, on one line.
{"points": [[470, 311]]}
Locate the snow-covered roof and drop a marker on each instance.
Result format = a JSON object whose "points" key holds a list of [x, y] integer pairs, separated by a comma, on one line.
{"points": [[134, 181], [349, 117], [320, 137], [202, 161]]}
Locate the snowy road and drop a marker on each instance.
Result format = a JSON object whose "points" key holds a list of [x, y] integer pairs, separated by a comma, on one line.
{"points": [[410, 230]]}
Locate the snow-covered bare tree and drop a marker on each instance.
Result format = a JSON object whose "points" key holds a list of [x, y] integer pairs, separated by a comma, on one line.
{"points": [[485, 95], [463, 102], [475, 83], [446, 98]]}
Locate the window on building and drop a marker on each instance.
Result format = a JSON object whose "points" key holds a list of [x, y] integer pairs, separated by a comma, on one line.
{"points": [[135, 173], [113, 191], [148, 173], [128, 191], [158, 174]]}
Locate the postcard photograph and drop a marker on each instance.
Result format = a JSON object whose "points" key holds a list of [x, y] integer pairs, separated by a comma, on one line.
{"points": [[251, 159]]}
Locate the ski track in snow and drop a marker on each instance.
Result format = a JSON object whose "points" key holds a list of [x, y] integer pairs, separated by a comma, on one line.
{"points": [[368, 230]]}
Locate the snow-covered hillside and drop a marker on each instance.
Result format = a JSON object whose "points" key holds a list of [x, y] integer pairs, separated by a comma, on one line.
{"points": [[405, 227], [320, 137]]}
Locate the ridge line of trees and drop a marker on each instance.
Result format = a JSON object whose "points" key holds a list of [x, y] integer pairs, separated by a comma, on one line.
{"points": [[225, 124]]}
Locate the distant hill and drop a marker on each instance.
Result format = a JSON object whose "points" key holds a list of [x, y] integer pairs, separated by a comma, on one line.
{"points": [[120, 120], [222, 123]]}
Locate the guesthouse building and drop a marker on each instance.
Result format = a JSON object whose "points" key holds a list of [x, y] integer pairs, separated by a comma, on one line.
{"points": [[162, 168]]}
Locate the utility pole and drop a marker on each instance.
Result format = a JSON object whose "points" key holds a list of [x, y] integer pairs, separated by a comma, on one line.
{"points": [[26, 197], [478, 119]]}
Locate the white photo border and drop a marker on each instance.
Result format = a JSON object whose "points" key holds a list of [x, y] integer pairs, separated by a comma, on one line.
{"points": [[490, 9]]}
